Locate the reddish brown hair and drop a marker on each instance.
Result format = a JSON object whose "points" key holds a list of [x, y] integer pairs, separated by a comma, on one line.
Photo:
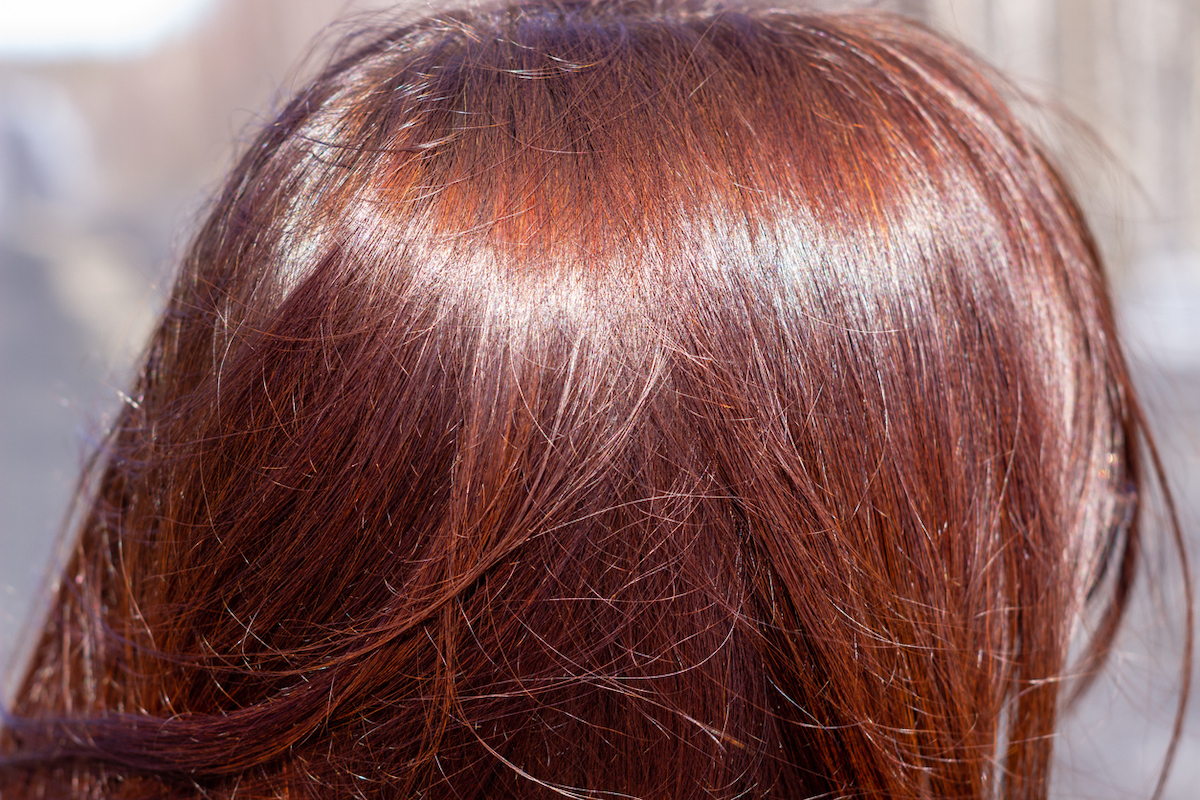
{"points": [[606, 401]]}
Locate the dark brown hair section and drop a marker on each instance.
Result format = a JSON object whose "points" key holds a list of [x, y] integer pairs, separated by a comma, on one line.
{"points": [[604, 401]]}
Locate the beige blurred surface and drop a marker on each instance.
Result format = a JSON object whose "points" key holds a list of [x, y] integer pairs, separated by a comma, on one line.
{"points": [[105, 165]]}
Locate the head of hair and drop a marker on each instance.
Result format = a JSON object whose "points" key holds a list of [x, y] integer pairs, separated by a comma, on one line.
{"points": [[607, 400]]}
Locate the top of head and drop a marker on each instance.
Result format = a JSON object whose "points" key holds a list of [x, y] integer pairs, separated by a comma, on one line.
{"points": [[593, 157]]}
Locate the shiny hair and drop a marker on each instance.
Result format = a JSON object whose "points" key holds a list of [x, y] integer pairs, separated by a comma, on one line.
{"points": [[608, 400]]}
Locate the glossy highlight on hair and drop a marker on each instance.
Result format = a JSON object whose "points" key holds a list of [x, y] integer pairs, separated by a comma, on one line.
{"points": [[607, 400]]}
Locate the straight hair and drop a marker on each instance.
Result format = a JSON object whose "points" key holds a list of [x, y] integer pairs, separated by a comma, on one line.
{"points": [[608, 400]]}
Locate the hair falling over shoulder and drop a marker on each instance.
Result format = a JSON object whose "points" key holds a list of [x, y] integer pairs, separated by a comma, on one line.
{"points": [[607, 400]]}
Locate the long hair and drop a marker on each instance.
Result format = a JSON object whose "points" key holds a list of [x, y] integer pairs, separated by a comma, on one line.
{"points": [[605, 401]]}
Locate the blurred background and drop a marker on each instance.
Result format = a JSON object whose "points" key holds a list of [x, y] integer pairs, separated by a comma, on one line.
{"points": [[118, 120]]}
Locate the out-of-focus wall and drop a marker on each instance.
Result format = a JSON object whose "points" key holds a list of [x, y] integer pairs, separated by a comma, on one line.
{"points": [[105, 165]]}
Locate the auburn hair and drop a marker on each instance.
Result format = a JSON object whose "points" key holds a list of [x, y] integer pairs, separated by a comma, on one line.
{"points": [[607, 400]]}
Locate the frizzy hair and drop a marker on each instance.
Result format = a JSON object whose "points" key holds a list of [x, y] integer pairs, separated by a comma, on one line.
{"points": [[605, 400]]}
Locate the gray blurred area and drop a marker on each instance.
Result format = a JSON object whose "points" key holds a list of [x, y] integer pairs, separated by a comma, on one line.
{"points": [[106, 164]]}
